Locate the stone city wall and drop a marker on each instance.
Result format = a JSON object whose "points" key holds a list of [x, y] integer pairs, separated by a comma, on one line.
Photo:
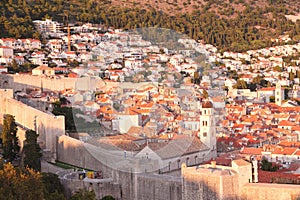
{"points": [[202, 183], [263, 191], [48, 126], [158, 187], [74, 152], [103, 187], [22, 81], [130, 184]]}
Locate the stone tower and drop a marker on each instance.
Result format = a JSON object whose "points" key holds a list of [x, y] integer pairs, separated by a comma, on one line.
{"points": [[279, 94], [207, 133]]}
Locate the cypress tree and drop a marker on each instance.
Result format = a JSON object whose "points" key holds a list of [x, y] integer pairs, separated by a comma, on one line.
{"points": [[11, 147]]}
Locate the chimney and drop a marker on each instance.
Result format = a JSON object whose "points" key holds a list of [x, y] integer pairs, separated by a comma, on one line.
{"points": [[213, 164]]}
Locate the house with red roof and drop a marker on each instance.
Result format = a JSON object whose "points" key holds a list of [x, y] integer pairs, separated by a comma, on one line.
{"points": [[69, 55], [285, 124], [6, 51], [122, 122], [8, 42], [284, 155], [266, 93], [247, 78], [3, 69], [43, 70]]}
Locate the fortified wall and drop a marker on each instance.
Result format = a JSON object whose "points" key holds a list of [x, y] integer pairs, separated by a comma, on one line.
{"points": [[48, 126], [158, 187], [203, 182], [130, 179], [123, 182], [20, 82], [234, 183], [263, 191], [209, 182]]}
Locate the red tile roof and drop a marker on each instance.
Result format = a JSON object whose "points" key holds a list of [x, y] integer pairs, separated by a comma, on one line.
{"points": [[285, 150], [251, 151], [266, 176], [286, 123], [267, 89]]}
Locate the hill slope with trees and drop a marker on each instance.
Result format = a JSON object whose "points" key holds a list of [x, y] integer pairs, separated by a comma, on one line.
{"points": [[230, 25]]}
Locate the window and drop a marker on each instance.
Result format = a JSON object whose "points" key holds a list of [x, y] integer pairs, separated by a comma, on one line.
{"points": [[205, 134]]}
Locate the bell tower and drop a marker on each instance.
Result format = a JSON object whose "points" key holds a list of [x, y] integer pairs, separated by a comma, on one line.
{"points": [[279, 94], [207, 133]]}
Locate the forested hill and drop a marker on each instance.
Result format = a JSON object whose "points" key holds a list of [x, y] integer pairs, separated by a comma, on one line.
{"points": [[236, 25]]}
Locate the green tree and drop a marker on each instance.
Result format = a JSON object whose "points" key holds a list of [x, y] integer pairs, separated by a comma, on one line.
{"points": [[205, 94], [108, 198], [17, 183], [277, 68], [32, 151], [13, 66], [257, 80], [251, 69], [291, 76], [84, 195], [10, 144], [68, 113], [240, 84], [267, 166], [53, 189]]}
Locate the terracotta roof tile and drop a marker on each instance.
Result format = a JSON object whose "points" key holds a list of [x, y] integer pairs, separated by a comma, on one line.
{"points": [[251, 151]]}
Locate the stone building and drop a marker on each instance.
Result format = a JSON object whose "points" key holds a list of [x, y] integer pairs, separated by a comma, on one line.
{"points": [[207, 133], [43, 70], [279, 94], [213, 181]]}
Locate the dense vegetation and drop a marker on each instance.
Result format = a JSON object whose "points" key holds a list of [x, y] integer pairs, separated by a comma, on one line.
{"points": [[268, 166], [250, 28], [9, 138], [74, 123], [32, 151], [18, 183], [26, 183]]}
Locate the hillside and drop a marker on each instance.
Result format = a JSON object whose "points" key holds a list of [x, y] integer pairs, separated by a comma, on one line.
{"points": [[236, 25], [223, 8]]}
